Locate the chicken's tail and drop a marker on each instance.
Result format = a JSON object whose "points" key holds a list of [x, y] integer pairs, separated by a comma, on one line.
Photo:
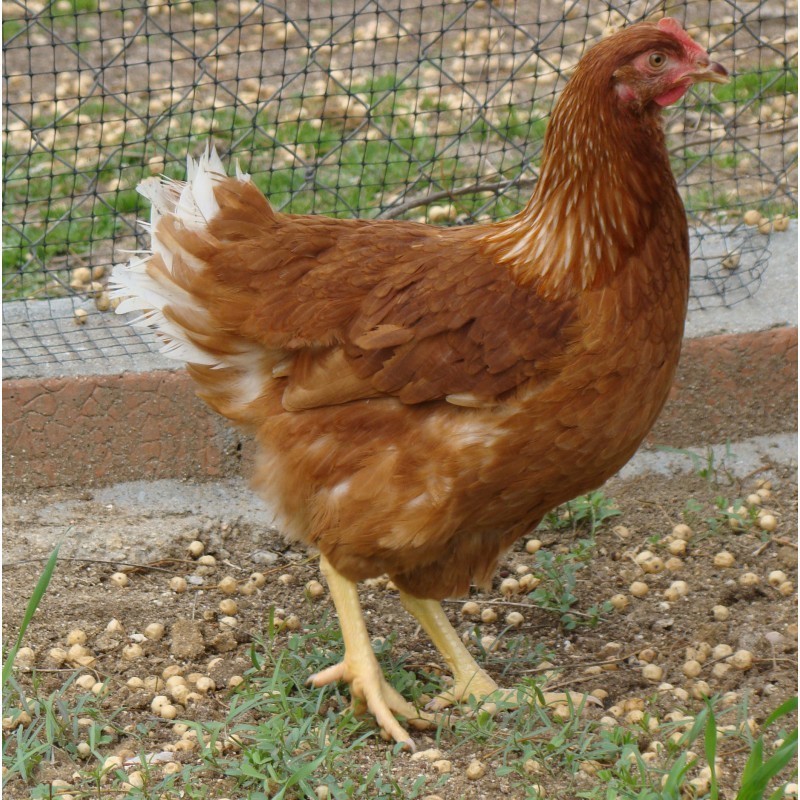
{"points": [[170, 285]]}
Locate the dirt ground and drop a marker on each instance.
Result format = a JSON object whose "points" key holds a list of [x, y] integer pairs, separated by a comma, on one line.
{"points": [[762, 619]]}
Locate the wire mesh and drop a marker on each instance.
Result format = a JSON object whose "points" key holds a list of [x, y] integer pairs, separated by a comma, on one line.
{"points": [[418, 109]]}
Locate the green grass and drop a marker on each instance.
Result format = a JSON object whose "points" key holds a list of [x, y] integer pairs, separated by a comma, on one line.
{"points": [[276, 738], [747, 86]]}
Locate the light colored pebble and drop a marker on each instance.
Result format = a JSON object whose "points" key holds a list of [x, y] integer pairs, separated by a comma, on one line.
{"points": [[114, 627], [488, 615], [258, 579], [639, 589], [85, 681], [533, 546], [653, 566], [470, 609], [514, 619], [721, 613], [786, 589], [682, 531], [314, 590], [749, 579], [196, 548], [752, 217], [528, 582], [76, 636], [677, 547], [741, 659], [443, 766], [692, 668], [132, 651], [154, 631], [228, 606], [228, 585], [205, 684], [776, 578], [178, 584], [724, 559], [767, 522], [619, 601], [207, 561], [476, 770], [652, 673], [721, 651], [431, 754], [509, 587], [720, 670], [673, 564], [120, 580]]}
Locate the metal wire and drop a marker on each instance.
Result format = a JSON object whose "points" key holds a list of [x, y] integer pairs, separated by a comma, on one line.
{"points": [[394, 108]]}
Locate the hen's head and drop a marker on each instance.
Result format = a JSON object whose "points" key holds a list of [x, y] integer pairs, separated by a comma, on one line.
{"points": [[651, 64]]}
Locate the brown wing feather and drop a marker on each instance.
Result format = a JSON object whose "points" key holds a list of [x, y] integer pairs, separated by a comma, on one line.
{"points": [[372, 308]]}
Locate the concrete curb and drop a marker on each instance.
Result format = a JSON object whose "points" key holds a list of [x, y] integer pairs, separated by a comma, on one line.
{"points": [[100, 429]]}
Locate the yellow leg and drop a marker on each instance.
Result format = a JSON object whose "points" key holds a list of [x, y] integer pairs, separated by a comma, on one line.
{"points": [[469, 678], [368, 688]]}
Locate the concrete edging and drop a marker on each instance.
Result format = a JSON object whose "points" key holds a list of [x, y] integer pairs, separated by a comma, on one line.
{"points": [[99, 429]]}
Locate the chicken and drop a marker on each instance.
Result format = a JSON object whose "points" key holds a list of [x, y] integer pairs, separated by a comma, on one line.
{"points": [[422, 396]]}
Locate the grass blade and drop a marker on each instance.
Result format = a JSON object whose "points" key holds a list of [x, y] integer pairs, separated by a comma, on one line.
{"points": [[33, 604]]}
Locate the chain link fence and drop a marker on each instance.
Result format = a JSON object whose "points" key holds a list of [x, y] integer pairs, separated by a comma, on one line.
{"points": [[418, 109]]}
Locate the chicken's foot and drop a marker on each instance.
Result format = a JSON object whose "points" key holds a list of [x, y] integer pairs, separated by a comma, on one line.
{"points": [[469, 678], [369, 690]]}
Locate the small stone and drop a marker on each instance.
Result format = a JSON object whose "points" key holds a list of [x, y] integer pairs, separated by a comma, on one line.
{"points": [[639, 589], [443, 766], [229, 607], [470, 609], [196, 548], [432, 754], [652, 673], [682, 531], [724, 559], [509, 587], [533, 546], [721, 613], [692, 668], [767, 522], [677, 547], [786, 589], [228, 585], [314, 590], [514, 619], [752, 217], [742, 659], [749, 579], [619, 601], [119, 579], [178, 584], [476, 770], [76, 636], [488, 615], [776, 578], [154, 631]]}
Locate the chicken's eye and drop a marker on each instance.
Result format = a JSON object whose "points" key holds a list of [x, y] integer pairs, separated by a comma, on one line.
{"points": [[657, 60]]}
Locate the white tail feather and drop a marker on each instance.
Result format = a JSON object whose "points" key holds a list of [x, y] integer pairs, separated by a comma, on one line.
{"points": [[193, 205]]}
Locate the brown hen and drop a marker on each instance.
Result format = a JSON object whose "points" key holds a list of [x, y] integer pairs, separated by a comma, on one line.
{"points": [[422, 396]]}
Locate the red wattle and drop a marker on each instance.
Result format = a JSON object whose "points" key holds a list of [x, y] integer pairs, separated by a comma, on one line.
{"points": [[673, 95]]}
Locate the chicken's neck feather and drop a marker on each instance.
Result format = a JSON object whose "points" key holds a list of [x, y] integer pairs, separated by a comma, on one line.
{"points": [[605, 176]]}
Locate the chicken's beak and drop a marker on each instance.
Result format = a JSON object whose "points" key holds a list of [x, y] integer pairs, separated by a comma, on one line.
{"points": [[710, 71]]}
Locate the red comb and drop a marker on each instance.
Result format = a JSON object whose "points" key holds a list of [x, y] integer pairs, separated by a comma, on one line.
{"points": [[669, 25]]}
